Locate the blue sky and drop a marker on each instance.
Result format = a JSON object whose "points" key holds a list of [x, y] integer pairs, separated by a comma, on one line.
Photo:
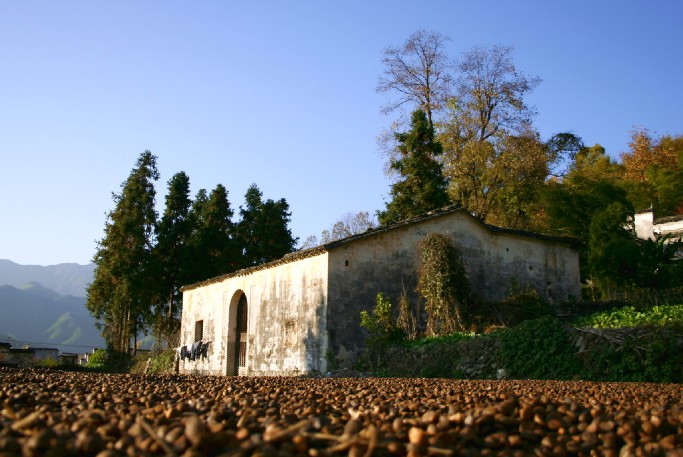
{"points": [[281, 94]]}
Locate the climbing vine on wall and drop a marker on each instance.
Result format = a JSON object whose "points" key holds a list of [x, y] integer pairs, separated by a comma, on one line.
{"points": [[442, 281]]}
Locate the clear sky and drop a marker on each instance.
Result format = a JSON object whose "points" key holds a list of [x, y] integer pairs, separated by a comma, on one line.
{"points": [[281, 94]]}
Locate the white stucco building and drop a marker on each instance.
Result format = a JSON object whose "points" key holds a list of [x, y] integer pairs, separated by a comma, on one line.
{"points": [[301, 314], [647, 227]]}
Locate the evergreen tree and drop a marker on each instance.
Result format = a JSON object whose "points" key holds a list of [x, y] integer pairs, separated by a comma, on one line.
{"points": [[122, 290], [263, 229], [421, 186], [171, 254], [213, 247]]}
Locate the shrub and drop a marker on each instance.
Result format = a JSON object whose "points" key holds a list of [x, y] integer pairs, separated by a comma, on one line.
{"points": [[538, 349], [98, 360], [48, 362], [162, 362], [381, 326]]}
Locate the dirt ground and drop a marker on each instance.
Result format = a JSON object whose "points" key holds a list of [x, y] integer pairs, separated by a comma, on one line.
{"points": [[51, 413]]}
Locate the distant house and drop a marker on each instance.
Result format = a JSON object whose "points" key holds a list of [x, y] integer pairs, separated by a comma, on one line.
{"points": [[647, 227], [23, 358], [301, 314], [68, 359], [45, 354]]}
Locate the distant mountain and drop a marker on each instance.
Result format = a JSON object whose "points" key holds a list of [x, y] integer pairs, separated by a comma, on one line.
{"points": [[64, 279], [39, 316]]}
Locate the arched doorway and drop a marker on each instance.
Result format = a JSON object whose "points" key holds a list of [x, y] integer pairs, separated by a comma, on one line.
{"points": [[241, 335], [237, 335]]}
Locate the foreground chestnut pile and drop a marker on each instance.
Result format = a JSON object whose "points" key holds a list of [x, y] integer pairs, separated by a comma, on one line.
{"points": [[50, 413]]}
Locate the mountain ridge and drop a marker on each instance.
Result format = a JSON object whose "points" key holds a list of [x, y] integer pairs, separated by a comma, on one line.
{"points": [[64, 278]]}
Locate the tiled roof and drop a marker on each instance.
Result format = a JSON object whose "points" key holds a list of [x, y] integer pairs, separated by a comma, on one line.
{"points": [[305, 253]]}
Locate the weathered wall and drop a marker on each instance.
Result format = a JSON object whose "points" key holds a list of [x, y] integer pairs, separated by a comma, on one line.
{"points": [[286, 320], [387, 262]]}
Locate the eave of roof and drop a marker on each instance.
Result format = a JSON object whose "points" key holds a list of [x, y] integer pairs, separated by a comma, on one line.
{"points": [[668, 219], [302, 254]]}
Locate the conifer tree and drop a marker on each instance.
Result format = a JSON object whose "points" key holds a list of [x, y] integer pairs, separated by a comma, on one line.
{"points": [[171, 254], [263, 229], [122, 290], [213, 247], [421, 187]]}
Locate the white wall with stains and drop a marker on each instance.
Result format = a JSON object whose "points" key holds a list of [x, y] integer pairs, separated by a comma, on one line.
{"points": [[286, 320]]}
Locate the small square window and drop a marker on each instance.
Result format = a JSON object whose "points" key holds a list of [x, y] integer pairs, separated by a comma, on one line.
{"points": [[198, 330]]}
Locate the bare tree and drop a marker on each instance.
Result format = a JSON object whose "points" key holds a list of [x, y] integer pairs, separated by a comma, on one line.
{"points": [[348, 225], [490, 93], [419, 72], [491, 149]]}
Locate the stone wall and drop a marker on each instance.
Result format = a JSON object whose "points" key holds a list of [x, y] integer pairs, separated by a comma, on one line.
{"points": [[468, 359], [286, 320]]}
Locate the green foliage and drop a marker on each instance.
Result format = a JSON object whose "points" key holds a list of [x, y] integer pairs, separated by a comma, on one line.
{"points": [[213, 248], [162, 362], [613, 252], [422, 186], [655, 356], [332, 362], [172, 256], [98, 360], [263, 232], [381, 326], [538, 349], [48, 362], [443, 339], [571, 205], [124, 283], [629, 316], [442, 281], [658, 267]]}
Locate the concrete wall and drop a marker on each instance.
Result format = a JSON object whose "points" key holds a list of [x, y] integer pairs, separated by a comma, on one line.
{"points": [[387, 262], [286, 320], [644, 225]]}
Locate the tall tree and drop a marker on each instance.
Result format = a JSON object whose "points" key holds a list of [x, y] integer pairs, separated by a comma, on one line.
{"points": [[171, 253], [263, 230], [122, 290], [488, 129], [421, 186], [214, 249], [419, 72], [590, 186], [515, 201], [645, 152], [652, 171]]}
